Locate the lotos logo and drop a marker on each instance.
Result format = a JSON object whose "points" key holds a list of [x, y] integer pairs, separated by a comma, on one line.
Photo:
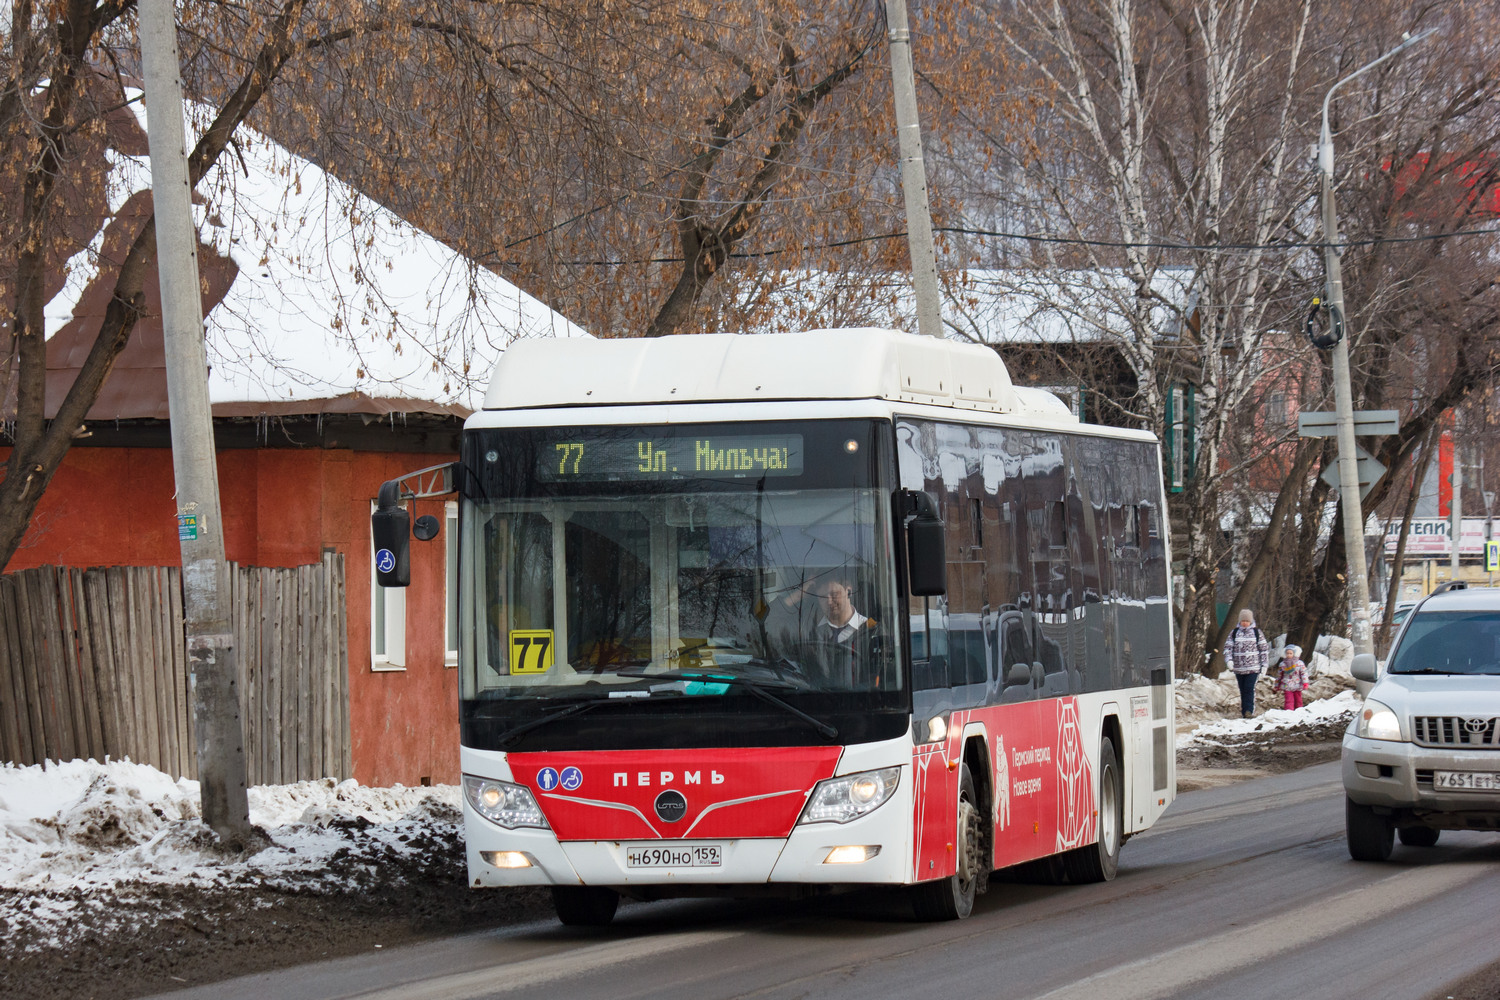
{"points": [[671, 806]]}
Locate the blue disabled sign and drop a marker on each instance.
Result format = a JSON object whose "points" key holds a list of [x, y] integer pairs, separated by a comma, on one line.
{"points": [[571, 778], [385, 561]]}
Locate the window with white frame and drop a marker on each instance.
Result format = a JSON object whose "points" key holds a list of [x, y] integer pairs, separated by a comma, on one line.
{"points": [[387, 621], [450, 585]]}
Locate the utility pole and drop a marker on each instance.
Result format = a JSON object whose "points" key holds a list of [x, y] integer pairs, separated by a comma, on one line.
{"points": [[1456, 509], [1354, 518], [212, 674], [924, 277]]}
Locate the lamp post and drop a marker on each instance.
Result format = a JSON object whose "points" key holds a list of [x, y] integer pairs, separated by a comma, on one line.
{"points": [[1354, 517]]}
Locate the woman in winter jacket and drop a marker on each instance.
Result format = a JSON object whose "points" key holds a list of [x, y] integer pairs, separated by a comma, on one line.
{"points": [[1247, 652]]}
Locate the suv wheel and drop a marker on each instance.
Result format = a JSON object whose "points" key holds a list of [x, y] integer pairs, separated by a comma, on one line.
{"points": [[1371, 836], [1418, 836]]}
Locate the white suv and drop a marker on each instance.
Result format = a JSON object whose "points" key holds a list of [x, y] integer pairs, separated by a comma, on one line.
{"points": [[1423, 755]]}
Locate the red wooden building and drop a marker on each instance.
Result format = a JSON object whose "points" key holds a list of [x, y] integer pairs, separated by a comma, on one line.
{"points": [[312, 412]]}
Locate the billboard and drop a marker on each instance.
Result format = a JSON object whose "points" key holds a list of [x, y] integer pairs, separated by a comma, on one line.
{"points": [[1431, 536]]}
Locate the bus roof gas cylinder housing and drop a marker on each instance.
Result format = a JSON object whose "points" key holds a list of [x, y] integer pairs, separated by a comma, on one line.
{"points": [[719, 367]]}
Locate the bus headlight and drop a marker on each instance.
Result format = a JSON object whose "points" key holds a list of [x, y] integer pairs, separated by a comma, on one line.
{"points": [[850, 796], [1377, 722], [503, 803]]}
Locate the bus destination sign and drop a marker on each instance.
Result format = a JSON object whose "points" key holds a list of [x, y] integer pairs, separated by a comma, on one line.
{"points": [[594, 457]]}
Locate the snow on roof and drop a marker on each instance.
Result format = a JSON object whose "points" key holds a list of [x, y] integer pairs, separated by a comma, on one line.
{"points": [[330, 293], [1012, 306], [1023, 306]]}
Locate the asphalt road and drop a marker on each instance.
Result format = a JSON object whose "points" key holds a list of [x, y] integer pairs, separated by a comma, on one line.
{"points": [[1241, 892]]}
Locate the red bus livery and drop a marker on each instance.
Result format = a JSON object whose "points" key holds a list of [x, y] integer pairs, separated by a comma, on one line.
{"points": [[798, 613]]}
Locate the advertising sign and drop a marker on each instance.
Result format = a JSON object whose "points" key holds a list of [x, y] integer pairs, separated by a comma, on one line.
{"points": [[1430, 537]]}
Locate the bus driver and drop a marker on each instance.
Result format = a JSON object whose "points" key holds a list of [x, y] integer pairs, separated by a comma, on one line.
{"points": [[846, 639]]}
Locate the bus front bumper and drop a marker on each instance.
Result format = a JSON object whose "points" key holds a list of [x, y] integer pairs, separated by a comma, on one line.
{"points": [[874, 849]]}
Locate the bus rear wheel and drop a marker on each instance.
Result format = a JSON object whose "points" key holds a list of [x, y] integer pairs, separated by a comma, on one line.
{"points": [[1100, 861], [584, 905], [952, 898]]}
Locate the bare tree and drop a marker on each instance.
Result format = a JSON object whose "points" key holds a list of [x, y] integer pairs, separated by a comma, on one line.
{"points": [[68, 74], [1171, 154]]}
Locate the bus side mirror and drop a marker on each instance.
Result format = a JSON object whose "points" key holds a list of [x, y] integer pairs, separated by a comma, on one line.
{"points": [[390, 526], [926, 555]]}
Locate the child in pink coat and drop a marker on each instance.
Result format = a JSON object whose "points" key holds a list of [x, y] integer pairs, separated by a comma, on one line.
{"points": [[1291, 676]]}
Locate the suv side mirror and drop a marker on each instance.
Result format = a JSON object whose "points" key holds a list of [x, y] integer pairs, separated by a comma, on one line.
{"points": [[1364, 668]]}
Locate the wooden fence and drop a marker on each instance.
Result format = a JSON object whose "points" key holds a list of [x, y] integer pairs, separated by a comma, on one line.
{"points": [[92, 663]]}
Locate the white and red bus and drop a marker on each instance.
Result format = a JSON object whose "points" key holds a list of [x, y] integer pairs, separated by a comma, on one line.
{"points": [[795, 613]]}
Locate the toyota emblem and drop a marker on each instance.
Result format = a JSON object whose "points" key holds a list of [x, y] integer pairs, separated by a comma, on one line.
{"points": [[1477, 726]]}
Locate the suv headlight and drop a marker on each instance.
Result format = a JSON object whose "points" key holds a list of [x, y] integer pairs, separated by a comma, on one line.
{"points": [[1377, 722], [503, 803], [850, 796]]}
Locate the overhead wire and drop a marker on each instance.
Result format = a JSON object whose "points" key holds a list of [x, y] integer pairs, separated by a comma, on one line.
{"points": [[1044, 238]]}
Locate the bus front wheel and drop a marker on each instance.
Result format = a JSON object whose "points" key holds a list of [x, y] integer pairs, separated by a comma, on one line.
{"points": [[952, 898], [584, 905]]}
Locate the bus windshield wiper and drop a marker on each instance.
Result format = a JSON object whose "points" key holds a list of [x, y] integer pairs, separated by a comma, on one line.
{"points": [[758, 688], [509, 737], [755, 688]]}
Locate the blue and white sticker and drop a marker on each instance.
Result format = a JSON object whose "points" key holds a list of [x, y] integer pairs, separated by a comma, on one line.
{"points": [[385, 561], [546, 779], [571, 779]]}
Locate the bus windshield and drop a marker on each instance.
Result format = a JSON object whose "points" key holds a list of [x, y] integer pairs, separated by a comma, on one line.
{"points": [[678, 562]]}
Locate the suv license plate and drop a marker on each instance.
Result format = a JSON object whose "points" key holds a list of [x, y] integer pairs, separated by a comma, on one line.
{"points": [[696, 856], [1466, 781]]}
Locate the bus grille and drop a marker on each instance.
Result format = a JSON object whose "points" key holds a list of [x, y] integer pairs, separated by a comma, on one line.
{"points": [[1455, 731]]}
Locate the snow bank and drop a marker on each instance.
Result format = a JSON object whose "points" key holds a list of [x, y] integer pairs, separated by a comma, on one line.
{"points": [[87, 825], [1325, 710]]}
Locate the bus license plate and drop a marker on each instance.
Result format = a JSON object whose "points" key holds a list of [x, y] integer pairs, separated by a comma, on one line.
{"points": [[1468, 781], [696, 856]]}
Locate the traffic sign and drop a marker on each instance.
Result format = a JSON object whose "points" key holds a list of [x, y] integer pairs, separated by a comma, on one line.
{"points": [[1367, 423], [1370, 472], [1492, 557]]}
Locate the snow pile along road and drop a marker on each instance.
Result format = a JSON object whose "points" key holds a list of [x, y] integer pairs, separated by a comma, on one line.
{"points": [[1325, 719], [77, 838], [1203, 699]]}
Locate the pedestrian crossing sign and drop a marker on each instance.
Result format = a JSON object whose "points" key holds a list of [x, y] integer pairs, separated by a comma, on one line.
{"points": [[1491, 556]]}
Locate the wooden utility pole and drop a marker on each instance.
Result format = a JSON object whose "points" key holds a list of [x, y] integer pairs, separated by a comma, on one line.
{"points": [[212, 674]]}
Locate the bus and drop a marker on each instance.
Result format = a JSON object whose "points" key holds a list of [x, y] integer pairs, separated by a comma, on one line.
{"points": [[798, 613]]}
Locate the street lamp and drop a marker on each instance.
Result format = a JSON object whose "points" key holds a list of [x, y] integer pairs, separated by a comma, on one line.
{"points": [[1354, 517]]}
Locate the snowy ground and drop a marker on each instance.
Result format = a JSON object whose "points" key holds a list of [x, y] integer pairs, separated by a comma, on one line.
{"points": [[93, 855], [73, 834]]}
